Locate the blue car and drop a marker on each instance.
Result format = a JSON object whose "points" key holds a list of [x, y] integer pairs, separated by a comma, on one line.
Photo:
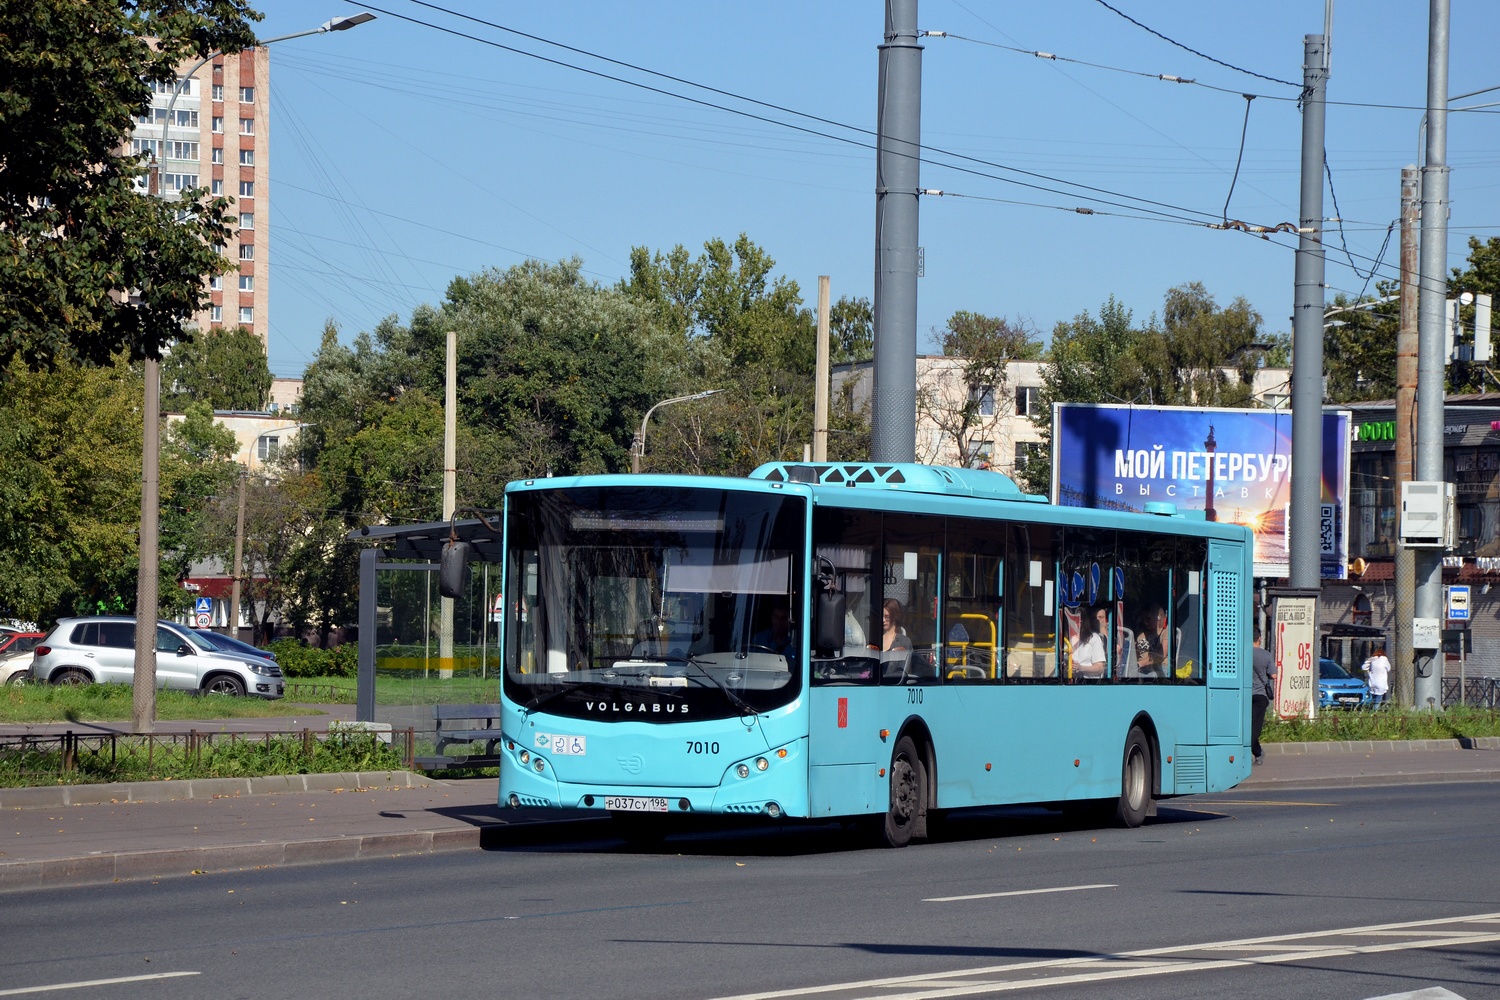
{"points": [[1337, 688], [229, 644]]}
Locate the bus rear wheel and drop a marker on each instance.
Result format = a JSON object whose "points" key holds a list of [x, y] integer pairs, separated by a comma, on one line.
{"points": [[1135, 780], [908, 794]]}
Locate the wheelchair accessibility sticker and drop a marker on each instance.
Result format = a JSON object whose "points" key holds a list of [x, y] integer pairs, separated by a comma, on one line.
{"points": [[564, 746]]}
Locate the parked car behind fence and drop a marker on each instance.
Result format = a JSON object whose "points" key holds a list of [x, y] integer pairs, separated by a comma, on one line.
{"points": [[101, 649]]}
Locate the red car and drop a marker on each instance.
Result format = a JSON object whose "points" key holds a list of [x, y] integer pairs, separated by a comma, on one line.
{"points": [[15, 655]]}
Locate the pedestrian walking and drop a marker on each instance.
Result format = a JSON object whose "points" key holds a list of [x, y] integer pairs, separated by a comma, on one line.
{"points": [[1378, 672], [1262, 692]]}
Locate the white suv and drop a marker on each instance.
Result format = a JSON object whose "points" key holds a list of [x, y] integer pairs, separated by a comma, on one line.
{"points": [[101, 649]]}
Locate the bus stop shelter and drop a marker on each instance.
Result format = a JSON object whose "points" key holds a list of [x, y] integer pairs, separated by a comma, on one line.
{"points": [[399, 620]]}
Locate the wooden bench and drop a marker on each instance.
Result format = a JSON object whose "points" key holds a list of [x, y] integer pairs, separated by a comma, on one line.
{"points": [[464, 724]]}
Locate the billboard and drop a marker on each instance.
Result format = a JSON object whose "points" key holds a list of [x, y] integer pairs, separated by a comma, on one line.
{"points": [[1232, 465]]}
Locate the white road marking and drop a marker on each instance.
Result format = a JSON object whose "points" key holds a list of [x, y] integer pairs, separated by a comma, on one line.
{"points": [[94, 982], [1018, 892], [1246, 952]]}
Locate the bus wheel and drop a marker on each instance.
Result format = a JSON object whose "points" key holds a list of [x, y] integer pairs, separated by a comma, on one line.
{"points": [[1135, 780], [908, 794]]}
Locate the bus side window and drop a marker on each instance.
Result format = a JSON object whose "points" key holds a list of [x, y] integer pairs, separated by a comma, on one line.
{"points": [[913, 545], [970, 626], [1030, 630], [1188, 576]]}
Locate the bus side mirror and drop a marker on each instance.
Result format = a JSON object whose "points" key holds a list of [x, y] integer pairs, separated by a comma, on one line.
{"points": [[828, 624], [453, 569]]}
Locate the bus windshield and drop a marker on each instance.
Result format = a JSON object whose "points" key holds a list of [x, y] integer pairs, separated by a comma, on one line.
{"points": [[635, 603]]}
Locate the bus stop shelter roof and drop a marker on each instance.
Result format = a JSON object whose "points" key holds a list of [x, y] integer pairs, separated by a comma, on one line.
{"points": [[425, 541]]}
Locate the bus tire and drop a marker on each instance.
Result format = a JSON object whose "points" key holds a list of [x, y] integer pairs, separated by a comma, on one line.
{"points": [[908, 801], [1135, 780]]}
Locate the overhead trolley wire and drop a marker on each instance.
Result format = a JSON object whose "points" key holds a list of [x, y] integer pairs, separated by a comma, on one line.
{"points": [[1141, 201]]}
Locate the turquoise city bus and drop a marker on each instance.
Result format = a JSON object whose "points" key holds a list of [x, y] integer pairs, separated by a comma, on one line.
{"points": [[887, 641]]}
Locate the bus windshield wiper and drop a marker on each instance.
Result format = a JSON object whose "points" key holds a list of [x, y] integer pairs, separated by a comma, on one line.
{"points": [[745, 707]]}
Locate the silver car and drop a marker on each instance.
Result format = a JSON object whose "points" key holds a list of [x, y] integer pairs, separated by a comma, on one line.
{"points": [[101, 649]]}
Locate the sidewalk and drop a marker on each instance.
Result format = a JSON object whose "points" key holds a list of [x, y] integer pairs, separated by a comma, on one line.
{"points": [[82, 834]]}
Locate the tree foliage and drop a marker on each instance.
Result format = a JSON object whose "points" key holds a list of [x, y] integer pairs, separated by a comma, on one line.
{"points": [[70, 496], [727, 324], [225, 369], [1197, 355], [89, 266]]}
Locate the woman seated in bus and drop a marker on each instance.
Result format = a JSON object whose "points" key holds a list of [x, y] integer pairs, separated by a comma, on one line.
{"points": [[1088, 655], [892, 635], [1149, 652]]}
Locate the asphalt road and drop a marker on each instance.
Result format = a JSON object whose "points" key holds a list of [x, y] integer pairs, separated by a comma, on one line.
{"points": [[1344, 893]]}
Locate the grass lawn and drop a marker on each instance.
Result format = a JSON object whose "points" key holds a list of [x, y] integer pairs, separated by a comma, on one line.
{"points": [[113, 703], [1385, 724]]}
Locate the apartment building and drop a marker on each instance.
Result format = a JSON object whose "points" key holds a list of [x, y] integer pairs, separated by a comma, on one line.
{"points": [[219, 137]]}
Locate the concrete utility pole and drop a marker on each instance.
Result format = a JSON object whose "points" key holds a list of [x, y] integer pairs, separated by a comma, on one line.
{"points": [[820, 394], [1406, 398], [898, 151], [147, 604], [1432, 314], [1305, 569], [450, 493]]}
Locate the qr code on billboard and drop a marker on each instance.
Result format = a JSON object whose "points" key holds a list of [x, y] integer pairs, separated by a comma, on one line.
{"points": [[1328, 529]]}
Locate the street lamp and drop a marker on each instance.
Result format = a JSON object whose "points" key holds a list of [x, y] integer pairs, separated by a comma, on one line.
{"points": [[638, 446], [143, 701]]}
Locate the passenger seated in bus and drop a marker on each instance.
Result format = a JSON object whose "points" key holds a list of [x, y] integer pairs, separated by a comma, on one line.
{"points": [[1088, 655], [1149, 651], [892, 635]]}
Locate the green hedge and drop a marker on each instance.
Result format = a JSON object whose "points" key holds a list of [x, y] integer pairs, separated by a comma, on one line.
{"points": [[300, 660]]}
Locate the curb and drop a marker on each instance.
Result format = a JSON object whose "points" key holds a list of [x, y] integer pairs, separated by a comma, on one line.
{"points": [[1373, 780], [53, 796], [126, 866], [1382, 746]]}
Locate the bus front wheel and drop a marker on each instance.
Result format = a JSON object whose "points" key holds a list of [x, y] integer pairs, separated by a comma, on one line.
{"points": [[1135, 780], [908, 794]]}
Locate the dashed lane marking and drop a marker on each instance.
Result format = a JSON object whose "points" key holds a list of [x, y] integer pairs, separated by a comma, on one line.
{"points": [[1019, 892], [53, 987]]}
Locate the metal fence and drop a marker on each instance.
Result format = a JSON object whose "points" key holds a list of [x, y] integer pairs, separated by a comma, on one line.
{"points": [[83, 757], [1481, 692]]}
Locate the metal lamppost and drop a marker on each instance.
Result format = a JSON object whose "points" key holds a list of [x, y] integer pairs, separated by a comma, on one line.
{"points": [[147, 601], [638, 446]]}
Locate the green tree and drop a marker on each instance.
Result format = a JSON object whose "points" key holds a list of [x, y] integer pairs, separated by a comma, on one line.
{"points": [[1199, 355], [225, 369], [851, 330], [552, 366], [1481, 277], [731, 326], [88, 265], [1359, 350], [70, 496]]}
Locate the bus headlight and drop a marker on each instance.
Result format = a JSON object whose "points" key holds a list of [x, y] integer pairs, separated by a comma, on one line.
{"points": [[761, 763], [525, 756], [743, 770]]}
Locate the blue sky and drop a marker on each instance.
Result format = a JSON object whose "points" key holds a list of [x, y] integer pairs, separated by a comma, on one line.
{"points": [[403, 155]]}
